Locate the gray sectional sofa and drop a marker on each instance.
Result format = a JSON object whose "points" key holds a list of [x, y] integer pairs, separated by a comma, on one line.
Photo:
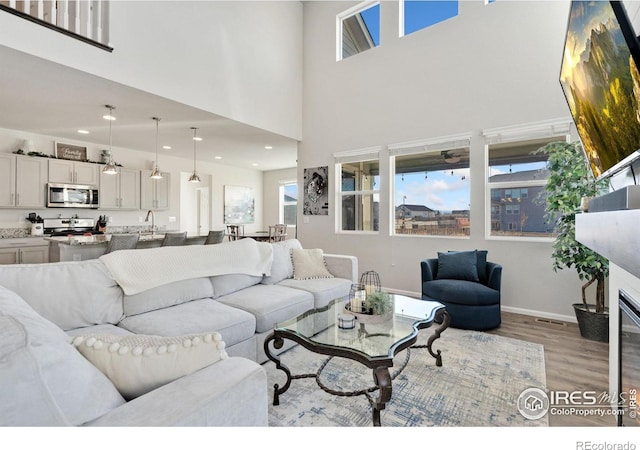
{"points": [[45, 306]]}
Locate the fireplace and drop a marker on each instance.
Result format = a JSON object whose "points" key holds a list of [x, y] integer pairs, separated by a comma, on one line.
{"points": [[628, 360]]}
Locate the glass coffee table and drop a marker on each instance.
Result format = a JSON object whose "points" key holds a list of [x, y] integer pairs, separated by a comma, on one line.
{"points": [[373, 342]]}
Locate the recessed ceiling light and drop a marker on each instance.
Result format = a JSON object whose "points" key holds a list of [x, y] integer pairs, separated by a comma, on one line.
{"points": [[109, 117], [83, 131], [268, 147], [254, 164], [166, 147], [218, 157], [197, 138]]}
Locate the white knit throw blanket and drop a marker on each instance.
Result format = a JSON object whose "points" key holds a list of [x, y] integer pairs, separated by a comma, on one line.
{"points": [[141, 269]]}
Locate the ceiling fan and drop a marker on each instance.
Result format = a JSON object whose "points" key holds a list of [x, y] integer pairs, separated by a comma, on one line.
{"points": [[450, 157]]}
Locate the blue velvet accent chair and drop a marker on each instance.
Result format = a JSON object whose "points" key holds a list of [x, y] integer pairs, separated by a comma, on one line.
{"points": [[472, 303]]}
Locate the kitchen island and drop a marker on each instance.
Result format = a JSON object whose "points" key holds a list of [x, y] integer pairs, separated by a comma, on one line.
{"points": [[81, 248]]}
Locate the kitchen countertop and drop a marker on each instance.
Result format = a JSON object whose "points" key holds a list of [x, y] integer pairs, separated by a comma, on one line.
{"points": [[104, 238]]}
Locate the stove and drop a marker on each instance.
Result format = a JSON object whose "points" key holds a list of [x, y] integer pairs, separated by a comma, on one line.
{"points": [[71, 226]]}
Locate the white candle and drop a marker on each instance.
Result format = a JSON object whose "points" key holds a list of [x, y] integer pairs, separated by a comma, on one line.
{"points": [[369, 289]]}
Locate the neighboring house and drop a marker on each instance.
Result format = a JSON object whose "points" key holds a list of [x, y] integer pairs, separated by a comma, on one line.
{"points": [[519, 209], [415, 212]]}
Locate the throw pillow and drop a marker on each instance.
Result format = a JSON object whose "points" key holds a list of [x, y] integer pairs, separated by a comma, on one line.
{"points": [[137, 364], [481, 263], [458, 266], [309, 264]]}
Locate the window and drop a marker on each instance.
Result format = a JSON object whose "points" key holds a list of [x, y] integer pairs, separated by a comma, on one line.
{"points": [[431, 188], [358, 29], [516, 182], [358, 192], [418, 14], [289, 203]]}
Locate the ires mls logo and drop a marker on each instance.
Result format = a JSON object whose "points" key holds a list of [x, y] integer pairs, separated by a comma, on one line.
{"points": [[534, 403]]}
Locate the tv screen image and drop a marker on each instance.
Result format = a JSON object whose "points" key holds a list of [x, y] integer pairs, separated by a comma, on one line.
{"points": [[600, 79]]}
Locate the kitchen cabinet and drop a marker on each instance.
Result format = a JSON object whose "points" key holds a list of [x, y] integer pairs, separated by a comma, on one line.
{"points": [[154, 193], [24, 251], [23, 181], [120, 191], [76, 172]]}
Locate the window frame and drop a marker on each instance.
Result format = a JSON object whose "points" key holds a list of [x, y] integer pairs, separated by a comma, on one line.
{"points": [[556, 128], [362, 155], [433, 145], [341, 17], [282, 203]]}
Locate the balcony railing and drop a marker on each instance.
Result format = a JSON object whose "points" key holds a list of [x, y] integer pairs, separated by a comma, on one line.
{"points": [[86, 20]]}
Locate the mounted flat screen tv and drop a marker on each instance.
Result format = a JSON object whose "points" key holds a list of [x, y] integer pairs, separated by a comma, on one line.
{"points": [[600, 80]]}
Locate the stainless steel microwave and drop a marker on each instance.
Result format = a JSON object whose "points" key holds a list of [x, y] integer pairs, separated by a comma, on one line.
{"points": [[62, 195]]}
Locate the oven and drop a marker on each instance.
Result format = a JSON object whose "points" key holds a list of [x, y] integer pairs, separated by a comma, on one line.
{"points": [[63, 195]]}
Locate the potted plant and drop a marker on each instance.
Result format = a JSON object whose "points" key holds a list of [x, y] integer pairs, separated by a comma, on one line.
{"points": [[569, 181]]}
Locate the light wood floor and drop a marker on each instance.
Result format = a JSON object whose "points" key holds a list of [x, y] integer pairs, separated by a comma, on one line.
{"points": [[572, 362]]}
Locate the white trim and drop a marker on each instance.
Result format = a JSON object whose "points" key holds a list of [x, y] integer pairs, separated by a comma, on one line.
{"points": [[462, 140], [540, 314], [364, 154], [528, 131]]}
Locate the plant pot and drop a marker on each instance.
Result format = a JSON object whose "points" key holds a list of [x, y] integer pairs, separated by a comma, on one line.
{"points": [[593, 326]]}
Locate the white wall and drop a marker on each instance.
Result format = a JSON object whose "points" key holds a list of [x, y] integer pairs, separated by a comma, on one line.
{"points": [[241, 60], [492, 66], [215, 175]]}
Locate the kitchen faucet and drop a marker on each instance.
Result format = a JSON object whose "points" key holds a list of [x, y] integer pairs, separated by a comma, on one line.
{"points": [[153, 220]]}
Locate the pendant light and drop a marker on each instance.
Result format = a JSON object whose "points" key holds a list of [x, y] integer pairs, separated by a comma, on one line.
{"points": [[194, 178], [155, 173], [110, 167]]}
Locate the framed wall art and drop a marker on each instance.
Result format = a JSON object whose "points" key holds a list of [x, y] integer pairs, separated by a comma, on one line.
{"points": [[316, 195], [69, 151], [239, 205]]}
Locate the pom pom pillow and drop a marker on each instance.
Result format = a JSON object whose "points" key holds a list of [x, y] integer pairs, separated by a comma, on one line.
{"points": [[309, 264], [137, 364]]}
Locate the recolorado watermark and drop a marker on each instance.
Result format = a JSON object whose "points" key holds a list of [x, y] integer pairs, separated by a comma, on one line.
{"points": [[535, 403], [590, 445]]}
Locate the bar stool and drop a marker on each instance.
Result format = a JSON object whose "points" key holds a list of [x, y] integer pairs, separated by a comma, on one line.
{"points": [[215, 237], [174, 239], [122, 242]]}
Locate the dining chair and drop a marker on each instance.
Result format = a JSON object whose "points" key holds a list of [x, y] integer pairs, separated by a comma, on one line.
{"points": [[122, 242], [215, 237], [235, 232], [277, 232], [174, 239]]}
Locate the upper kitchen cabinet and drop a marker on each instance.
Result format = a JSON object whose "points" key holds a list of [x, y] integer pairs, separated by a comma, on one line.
{"points": [[23, 181], [120, 191], [155, 192], [67, 171]]}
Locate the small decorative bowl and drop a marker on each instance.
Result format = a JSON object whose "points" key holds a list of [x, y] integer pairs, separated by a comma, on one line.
{"points": [[346, 321]]}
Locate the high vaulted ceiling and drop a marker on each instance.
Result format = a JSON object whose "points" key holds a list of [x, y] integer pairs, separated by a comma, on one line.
{"points": [[41, 97]]}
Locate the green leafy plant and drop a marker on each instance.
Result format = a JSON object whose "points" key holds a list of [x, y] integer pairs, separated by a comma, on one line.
{"points": [[568, 182], [379, 302]]}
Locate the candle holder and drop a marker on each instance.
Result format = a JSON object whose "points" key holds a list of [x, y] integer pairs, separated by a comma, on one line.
{"points": [[357, 298], [371, 282]]}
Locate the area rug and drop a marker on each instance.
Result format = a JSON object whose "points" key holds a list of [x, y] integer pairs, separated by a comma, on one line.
{"points": [[477, 386]]}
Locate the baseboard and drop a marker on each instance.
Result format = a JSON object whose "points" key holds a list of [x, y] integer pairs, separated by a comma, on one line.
{"points": [[541, 314], [511, 309]]}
